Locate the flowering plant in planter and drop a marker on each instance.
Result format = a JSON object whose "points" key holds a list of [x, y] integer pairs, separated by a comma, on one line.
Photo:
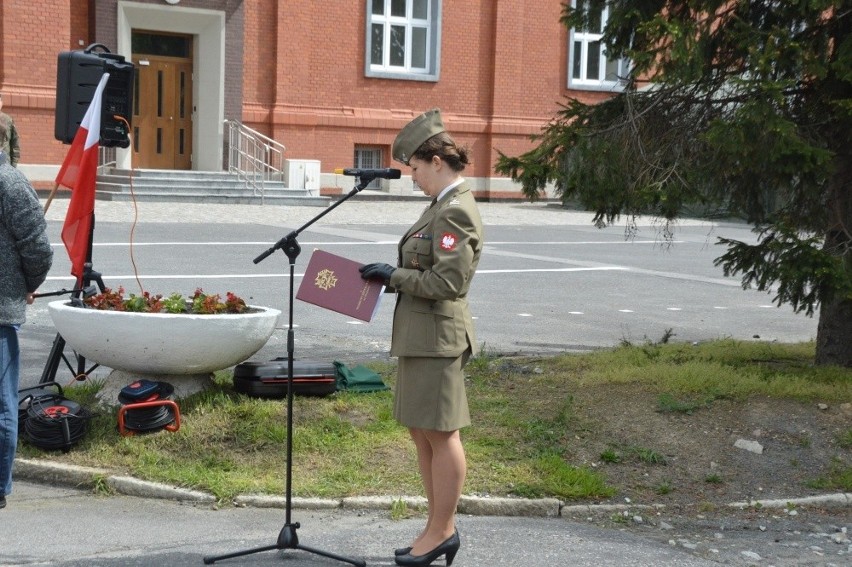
{"points": [[199, 303], [150, 334]]}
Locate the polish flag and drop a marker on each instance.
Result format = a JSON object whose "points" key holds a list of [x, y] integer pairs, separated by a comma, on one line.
{"points": [[78, 173]]}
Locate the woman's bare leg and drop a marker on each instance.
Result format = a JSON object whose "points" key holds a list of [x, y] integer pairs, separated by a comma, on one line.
{"points": [[424, 463], [447, 468]]}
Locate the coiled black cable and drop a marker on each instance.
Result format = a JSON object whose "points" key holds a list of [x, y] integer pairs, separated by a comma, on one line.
{"points": [[149, 418], [27, 395], [54, 422]]}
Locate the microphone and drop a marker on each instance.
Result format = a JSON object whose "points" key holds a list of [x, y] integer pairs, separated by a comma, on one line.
{"points": [[370, 173]]}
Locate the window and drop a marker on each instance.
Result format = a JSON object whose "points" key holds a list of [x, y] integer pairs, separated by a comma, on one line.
{"points": [[369, 158], [403, 39], [588, 66], [166, 45]]}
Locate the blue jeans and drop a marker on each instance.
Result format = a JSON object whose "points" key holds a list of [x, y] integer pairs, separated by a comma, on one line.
{"points": [[9, 373]]}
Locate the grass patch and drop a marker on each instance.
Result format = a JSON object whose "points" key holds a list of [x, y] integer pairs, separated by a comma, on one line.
{"points": [[611, 456], [525, 424], [482, 361], [713, 478], [666, 403], [101, 486], [648, 456], [725, 369], [705, 506], [839, 477], [399, 510], [558, 478]]}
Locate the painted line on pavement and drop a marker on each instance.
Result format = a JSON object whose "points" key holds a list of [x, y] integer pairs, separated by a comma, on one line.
{"points": [[356, 243], [247, 243], [299, 275]]}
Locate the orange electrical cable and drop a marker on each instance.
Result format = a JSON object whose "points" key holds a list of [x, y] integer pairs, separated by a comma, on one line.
{"points": [[135, 212]]}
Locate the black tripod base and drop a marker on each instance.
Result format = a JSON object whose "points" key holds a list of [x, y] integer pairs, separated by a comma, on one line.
{"points": [[287, 539]]}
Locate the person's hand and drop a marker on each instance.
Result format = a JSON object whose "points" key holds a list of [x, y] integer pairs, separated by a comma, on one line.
{"points": [[377, 271], [30, 298]]}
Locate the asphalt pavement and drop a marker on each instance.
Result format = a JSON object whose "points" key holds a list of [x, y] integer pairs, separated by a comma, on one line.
{"points": [[55, 518], [64, 527]]}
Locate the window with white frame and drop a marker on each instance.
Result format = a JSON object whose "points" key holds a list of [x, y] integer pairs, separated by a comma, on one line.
{"points": [[403, 39], [588, 65]]}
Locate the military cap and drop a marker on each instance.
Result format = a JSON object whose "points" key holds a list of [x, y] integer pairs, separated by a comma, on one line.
{"points": [[412, 136]]}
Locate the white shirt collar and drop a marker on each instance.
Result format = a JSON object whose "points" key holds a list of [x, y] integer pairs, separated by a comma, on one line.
{"points": [[450, 187]]}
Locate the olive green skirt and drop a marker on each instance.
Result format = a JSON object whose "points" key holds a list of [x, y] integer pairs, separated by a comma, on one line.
{"points": [[430, 393]]}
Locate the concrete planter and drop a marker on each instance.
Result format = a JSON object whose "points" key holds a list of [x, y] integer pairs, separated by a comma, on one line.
{"points": [[163, 343]]}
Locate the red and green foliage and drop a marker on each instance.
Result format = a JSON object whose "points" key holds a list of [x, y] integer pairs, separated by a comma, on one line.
{"points": [[201, 303]]}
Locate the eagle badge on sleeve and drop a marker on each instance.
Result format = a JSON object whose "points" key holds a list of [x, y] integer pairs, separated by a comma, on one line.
{"points": [[448, 241]]}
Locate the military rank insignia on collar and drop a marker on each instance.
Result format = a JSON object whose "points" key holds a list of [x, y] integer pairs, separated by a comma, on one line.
{"points": [[448, 241]]}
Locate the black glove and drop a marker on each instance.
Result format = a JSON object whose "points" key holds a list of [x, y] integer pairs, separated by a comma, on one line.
{"points": [[377, 271]]}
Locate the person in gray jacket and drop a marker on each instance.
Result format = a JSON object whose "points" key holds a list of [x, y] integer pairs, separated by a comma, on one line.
{"points": [[25, 259]]}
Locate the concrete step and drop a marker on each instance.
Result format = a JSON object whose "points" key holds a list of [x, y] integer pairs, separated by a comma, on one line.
{"points": [[221, 198], [174, 173], [181, 182], [198, 187], [185, 187]]}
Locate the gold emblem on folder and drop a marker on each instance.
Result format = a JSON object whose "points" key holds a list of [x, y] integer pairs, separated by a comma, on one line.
{"points": [[325, 280]]}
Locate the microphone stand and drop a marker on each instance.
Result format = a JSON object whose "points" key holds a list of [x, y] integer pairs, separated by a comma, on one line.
{"points": [[84, 288], [287, 538], [88, 291]]}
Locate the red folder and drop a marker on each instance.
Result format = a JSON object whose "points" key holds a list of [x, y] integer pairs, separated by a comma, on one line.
{"points": [[334, 282]]}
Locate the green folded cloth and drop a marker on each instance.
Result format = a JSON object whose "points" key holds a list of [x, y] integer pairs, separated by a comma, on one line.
{"points": [[358, 379]]}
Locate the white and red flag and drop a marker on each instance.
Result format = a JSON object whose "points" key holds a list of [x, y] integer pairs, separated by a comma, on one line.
{"points": [[78, 173]]}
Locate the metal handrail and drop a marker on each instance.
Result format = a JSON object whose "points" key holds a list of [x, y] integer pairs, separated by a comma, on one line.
{"points": [[106, 158], [254, 157]]}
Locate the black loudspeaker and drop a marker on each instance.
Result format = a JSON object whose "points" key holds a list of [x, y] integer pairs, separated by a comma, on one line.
{"points": [[77, 76]]}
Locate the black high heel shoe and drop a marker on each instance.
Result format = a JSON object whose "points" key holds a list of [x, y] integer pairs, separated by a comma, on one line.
{"points": [[401, 550], [447, 548]]}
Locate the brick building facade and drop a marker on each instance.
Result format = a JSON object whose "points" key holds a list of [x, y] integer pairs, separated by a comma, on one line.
{"points": [[310, 74]]}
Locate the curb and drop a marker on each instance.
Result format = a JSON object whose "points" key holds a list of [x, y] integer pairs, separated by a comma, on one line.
{"points": [[840, 499], [90, 477]]}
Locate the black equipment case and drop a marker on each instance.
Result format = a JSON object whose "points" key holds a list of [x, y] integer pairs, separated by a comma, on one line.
{"points": [[269, 379]]}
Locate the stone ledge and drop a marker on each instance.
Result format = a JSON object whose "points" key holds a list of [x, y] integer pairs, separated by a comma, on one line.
{"points": [[55, 473], [838, 499], [90, 477], [382, 502], [267, 501], [479, 506], [135, 487]]}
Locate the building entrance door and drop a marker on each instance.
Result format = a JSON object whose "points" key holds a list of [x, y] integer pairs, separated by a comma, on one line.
{"points": [[162, 113]]}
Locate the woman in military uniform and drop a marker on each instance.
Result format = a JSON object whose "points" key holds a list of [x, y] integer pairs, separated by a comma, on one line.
{"points": [[433, 333]]}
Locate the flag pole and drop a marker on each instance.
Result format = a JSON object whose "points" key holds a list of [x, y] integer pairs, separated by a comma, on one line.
{"points": [[78, 172], [51, 196]]}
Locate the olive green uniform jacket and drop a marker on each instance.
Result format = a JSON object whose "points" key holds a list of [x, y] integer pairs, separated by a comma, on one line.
{"points": [[9, 143], [437, 259]]}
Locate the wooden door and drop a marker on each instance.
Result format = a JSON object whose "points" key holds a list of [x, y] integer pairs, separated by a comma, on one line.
{"points": [[162, 117]]}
